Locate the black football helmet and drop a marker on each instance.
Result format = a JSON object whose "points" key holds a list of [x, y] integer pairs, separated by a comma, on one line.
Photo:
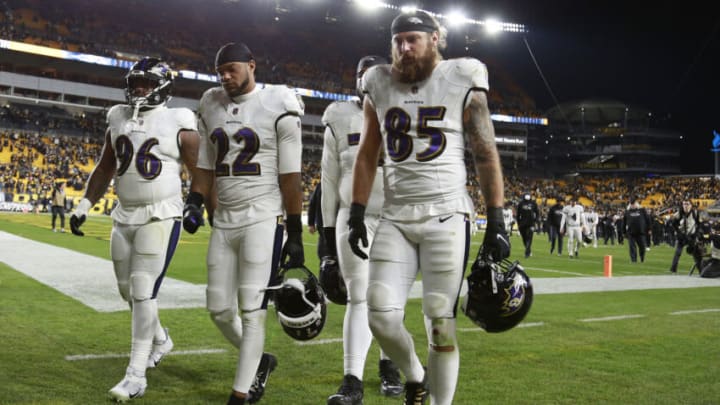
{"points": [[158, 73], [499, 295], [331, 280], [365, 63], [300, 303]]}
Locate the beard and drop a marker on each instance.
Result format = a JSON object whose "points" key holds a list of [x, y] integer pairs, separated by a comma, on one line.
{"points": [[234, 90], [411, 70]]}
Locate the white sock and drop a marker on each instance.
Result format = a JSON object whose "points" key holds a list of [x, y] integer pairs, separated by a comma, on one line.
{"points": [[144, 322], [230, 325], [389, 330], [251, 349], [442, 369], [356, 338]]}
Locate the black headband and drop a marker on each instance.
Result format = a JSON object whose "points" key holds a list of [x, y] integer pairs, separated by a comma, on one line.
{"points": [[233, 52], [416, 21]]}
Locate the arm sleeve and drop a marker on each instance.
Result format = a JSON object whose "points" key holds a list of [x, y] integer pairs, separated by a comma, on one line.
{"points": [[289, 135], [330, 178]]}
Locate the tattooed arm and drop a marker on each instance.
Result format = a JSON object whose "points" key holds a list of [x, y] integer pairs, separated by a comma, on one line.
{"points": [[481, 138]]}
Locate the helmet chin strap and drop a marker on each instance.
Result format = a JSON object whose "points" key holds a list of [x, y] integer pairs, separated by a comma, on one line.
{"points": [[143, 101], [136, 109]]}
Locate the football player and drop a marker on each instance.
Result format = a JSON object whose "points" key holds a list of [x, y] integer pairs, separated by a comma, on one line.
{"points": [[343, 122], [146, 144], [420, 109], [508, 217], [592, 219], [572, 224], [554, 219], [527, 215], [248, 174]]}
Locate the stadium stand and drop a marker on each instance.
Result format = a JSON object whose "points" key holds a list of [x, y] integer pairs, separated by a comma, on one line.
{"points": [[48, 136]]}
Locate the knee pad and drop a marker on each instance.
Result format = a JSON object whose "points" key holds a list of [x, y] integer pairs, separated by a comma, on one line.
{"points": [[141, 287], [442, 334], [224, 316], [380, 297], [253, 319], [357, 290], [436, 305]]}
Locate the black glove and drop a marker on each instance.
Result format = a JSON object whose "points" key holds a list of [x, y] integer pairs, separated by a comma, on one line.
{"points": [[330, 245], [79, 216], [358, 232], [293, 253], [75, 223], [193, 212], [496, 245]]}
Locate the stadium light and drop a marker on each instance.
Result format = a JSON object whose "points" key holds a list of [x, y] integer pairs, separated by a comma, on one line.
{"points": [[408, 9], [370, 5], [456, 19], [493, 26]]}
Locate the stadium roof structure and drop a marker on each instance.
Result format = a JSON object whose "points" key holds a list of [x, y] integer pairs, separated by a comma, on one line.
{"points": [[597, 111]]}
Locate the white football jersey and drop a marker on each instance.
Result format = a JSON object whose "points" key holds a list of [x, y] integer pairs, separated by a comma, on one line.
{"points": [[507, 215], [422, 129], [591, 218], [147, 180], [343, 121], [239, 140], [573, 216]]}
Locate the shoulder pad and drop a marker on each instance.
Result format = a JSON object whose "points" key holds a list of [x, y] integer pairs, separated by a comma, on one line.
{"points": [[185, 118], [467, 72], [211, 94], [372, 75], [115, 112], [281, 99], [337, 110]]}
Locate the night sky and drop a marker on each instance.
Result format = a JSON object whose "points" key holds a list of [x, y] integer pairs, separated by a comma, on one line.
{"points": [[662, 55]]}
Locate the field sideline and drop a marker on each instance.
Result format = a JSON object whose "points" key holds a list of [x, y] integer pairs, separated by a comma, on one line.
{"points": [[654, 345]]}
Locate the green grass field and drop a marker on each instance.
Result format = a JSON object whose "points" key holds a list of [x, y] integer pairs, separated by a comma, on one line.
{"points": [[659, 358]]}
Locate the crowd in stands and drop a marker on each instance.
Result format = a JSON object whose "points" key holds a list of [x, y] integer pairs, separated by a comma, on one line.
{"points": [[182, 37], [31, 162]]}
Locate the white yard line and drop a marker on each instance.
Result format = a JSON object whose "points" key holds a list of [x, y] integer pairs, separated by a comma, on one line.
{"points": [[318, 342], [612, 318], [696, 311], [78, 357]]}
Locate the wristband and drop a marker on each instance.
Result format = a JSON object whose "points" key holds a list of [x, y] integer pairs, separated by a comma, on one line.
{"points": [[195, 198], [83, 207], [293, 223], [494, 215], [358, 211]]}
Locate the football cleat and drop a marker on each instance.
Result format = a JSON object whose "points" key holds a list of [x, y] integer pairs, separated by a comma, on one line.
{"points": [[349, 393], [390, 383], [268, 362], [415, 393], [132, 386], [159, 350]]}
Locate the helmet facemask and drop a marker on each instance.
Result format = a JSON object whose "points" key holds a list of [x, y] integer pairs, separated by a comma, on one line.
{"points": [[153, 74]]}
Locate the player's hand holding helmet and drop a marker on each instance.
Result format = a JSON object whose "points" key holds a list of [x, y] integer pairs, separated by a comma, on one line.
{"points": [[300, 303], [79, 216], [293, 253], [358, 231], [193, 212], [496, 244], [499, 295]]}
